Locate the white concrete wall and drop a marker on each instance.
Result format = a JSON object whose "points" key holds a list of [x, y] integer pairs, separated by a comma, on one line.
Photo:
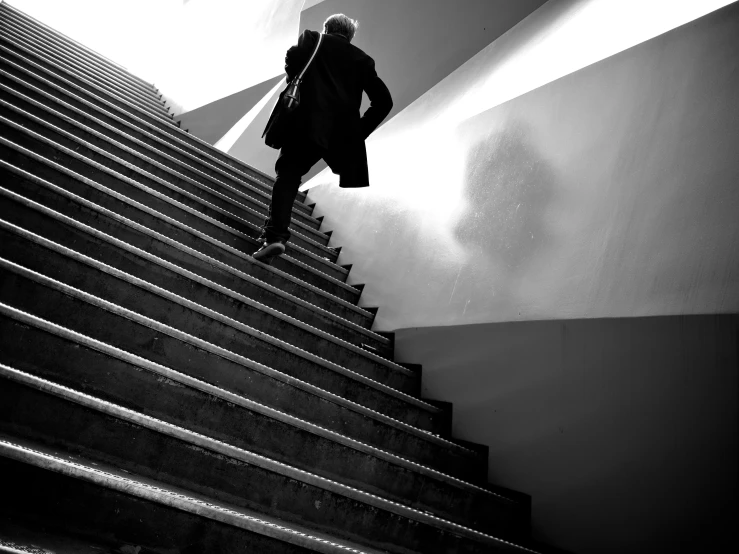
{"points": [[608, 192]]}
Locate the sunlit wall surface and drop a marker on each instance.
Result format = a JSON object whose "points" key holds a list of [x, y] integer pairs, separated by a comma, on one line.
{"points": [[607, 192]]}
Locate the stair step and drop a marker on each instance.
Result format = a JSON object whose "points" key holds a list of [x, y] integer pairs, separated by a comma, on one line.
{"points": [[292, 297], [31, 45], [53, 143], [177, 399], [149, 145], [105, 433], [26, 68], [383, 425], [11, 44], [71, 495], [71, 307], [73, 44], [69, 186], [65, 57], [77, 58], [24, 98], [158, 283]]}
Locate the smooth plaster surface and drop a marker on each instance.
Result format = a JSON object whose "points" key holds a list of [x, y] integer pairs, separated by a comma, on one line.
{"points": [[610, 192], [624, 431]]}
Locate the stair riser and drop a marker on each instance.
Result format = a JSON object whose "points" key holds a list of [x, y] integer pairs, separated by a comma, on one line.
{"points": [[101, 438], [152, 222], [122, 164], [152, 344], [99, 78], [79, 239], [10, 43], [107, 103], [158, 151], [149, 136], [69, 505], [106, 69], [80, 49], [136, 117], [140, 156], [27, 348], [155, 395], [191, 321], [79, 275]]}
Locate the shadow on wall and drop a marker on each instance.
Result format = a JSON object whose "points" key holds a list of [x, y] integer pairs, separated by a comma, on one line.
{"points": [[508, 187]]}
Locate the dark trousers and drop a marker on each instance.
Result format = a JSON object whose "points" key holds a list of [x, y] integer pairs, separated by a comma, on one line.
{"points": [[295, 160]]}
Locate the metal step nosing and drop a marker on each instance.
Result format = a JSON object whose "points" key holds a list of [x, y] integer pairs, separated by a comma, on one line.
{"points": [[198, 279], [177, 204], [139, 105], [145, 230], [107, 70], [97, 302], [202, 186], [83, 66], [242, 455], [183, 500], [79, 45], [154, 213], [115, 131], [148, 124], [213, 390]]}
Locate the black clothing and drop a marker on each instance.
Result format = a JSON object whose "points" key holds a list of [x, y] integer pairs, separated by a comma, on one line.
{"points": [[327, 124]]}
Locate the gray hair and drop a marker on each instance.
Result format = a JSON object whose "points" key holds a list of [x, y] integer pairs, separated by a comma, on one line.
{"points": [[342, 25]]}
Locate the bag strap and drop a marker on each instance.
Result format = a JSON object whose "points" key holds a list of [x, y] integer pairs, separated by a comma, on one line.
{"points": [[315, 51]]}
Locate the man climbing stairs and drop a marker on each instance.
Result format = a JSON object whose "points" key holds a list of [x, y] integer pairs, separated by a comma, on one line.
{"points": [[161, 391]]}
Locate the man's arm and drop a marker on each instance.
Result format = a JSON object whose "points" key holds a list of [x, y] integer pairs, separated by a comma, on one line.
{"points": [[380, 101], [297, 56]]}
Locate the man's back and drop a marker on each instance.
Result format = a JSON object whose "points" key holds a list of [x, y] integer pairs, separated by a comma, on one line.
{"points": [[331, 93]]}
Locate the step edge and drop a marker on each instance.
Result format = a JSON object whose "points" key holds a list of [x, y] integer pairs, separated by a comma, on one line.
{"points": [[186, 274], [180, 499], [154, 213], [137, 116], [142, 155], [273, 374], [206, 312], [215, 445], [174, 244], [234, 398]]}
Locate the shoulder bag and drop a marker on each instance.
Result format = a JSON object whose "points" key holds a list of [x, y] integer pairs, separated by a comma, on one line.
{"points": [[284, 111]]}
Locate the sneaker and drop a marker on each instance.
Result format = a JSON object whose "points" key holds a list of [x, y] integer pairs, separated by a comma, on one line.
{"points": [[269, 251]]}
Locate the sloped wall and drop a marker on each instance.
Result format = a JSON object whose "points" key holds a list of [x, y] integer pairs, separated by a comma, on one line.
{"points": [[610, 192]]}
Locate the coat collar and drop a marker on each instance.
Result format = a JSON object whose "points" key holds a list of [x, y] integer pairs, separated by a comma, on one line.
{"points": [[338, 35]]}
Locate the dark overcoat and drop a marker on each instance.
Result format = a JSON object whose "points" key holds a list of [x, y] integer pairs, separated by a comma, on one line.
{"points": [[330, 100]]}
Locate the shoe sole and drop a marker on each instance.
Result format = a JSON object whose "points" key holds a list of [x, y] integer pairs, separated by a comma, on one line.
{"points": [[269, 253]]}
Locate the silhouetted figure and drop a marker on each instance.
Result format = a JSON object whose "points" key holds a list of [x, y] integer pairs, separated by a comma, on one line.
{"points": [[327, 124]]}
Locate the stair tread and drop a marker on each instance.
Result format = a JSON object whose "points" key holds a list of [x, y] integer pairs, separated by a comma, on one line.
{"points": [[109, 476], [173, 168]]}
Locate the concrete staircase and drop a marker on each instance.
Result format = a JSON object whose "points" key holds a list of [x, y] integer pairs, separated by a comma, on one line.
{"points": [[160, 391]]}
